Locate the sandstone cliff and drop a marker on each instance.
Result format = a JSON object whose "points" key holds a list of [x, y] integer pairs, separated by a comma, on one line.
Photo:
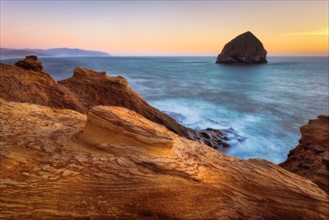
{"points": [[57, 164], [25, 82], [245, 48], [85, 89], [311, 157]]}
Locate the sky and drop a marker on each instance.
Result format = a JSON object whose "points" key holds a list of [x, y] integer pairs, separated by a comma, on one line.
{"points": [[147, 28]]}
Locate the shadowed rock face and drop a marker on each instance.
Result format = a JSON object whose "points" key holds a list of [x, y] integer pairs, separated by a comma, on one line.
{"points": [[84, 90], [57, 164], [244, 49], [311, 157]]}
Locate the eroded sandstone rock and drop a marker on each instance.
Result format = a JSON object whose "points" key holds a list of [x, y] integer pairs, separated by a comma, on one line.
{"points": [[105, 168], [94, 88], [27, 85], [310, 158], [86, 89]]}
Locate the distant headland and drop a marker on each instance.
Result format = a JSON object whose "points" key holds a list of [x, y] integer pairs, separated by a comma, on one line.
{"points": [[53, 52]]}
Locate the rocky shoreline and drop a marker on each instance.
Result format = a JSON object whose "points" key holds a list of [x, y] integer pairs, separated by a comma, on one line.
{"points": [[89, 147], [86, 89]]}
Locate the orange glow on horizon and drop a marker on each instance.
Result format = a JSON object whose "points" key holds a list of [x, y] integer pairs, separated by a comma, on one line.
{"points": [[165, 28]]}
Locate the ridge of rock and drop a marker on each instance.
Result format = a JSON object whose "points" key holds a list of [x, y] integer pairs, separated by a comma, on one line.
{"points": [[94, 88], [58, 164], [310, 158], [128, 122], [22, 84], [84, 90], [243, 49]]}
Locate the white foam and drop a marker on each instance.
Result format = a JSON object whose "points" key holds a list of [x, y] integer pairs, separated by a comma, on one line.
{"points": [[248, 139]]}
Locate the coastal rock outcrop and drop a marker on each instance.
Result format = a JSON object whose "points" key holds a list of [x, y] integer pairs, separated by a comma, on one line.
{"points": [[311, 157], [117, 164], [84, 90], [23, 84], [30, 63], [96, 88], [244, 49]]}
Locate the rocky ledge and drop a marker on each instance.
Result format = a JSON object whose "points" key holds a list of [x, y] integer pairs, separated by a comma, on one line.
{"points": [[311, 157], [26, 82], [116, 164], [244, 49]]}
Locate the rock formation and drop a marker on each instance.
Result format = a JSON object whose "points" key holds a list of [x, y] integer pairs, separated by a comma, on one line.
{"points": [[244, 49], [85, 89], [30, 63], [96, 88], [56, 164], [311, 157], [25, 84]]}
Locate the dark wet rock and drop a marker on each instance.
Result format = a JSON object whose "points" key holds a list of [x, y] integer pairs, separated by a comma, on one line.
{"points": [[30, 63], [213, 137], [244, 49]]}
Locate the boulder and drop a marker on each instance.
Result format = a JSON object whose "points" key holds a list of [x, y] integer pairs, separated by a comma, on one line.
{"points": [[244, 49]]}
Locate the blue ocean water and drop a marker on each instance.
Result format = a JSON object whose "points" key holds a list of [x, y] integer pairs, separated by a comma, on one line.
{"points": [[266, 104]]}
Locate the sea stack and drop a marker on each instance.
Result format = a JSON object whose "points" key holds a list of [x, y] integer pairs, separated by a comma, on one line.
{"points": [[244, 49]]}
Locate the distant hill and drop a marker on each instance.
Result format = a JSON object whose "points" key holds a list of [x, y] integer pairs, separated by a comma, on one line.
{"points": [[54, 52]]}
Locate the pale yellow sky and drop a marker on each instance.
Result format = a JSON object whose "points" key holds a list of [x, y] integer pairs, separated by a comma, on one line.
{"points": [[165, 27]]}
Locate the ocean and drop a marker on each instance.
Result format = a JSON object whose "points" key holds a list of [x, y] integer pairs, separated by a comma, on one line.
{"points": [[261, 107]]}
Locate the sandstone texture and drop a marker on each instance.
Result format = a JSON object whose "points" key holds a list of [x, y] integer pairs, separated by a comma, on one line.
{"points": [[27, 85], [85, 89], [116, 164], [96, 88], [311, 157], [244, 49]]}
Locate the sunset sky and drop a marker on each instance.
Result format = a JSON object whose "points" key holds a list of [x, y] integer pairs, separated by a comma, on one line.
{"points": [[165, 27]]}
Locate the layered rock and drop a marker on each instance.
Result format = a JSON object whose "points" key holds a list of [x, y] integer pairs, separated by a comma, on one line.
{"points": [[244, 49], [25, 82], [311, 157], [120, 165], [96, 88]]}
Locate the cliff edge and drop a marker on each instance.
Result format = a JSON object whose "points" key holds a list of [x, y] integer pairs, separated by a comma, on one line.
{"points": [[310, 158]]}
